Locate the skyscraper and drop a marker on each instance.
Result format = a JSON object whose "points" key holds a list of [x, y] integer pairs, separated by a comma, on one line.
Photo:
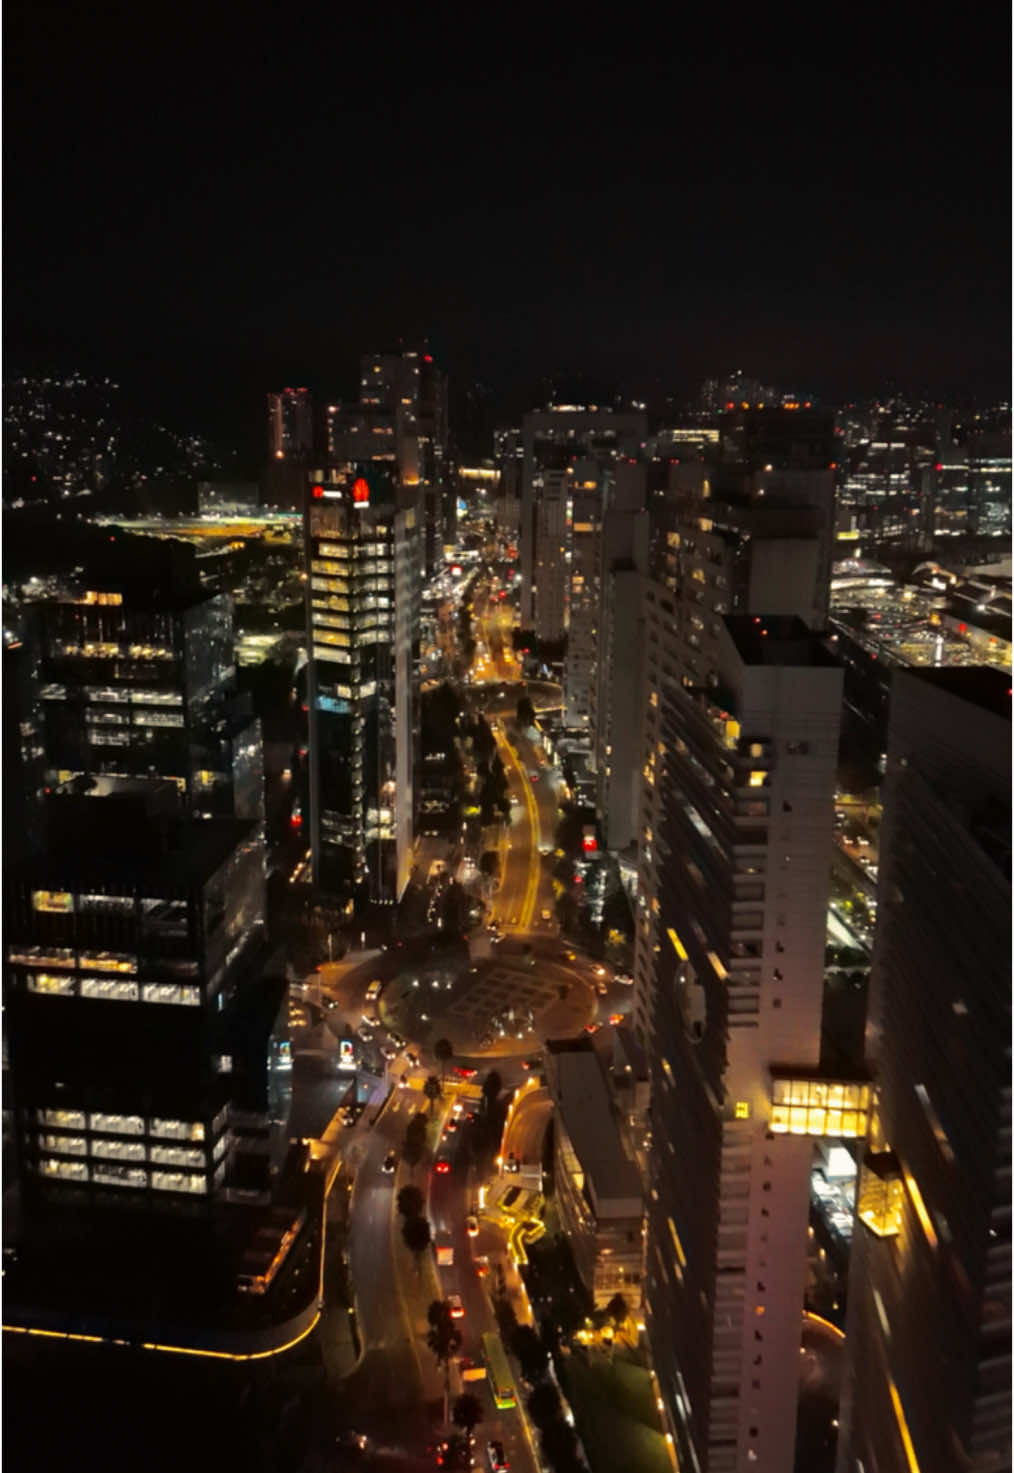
{"points": [[362, 601], [735, 867], [290, 425], [553, 441], [137, 679], [928, 1383]]}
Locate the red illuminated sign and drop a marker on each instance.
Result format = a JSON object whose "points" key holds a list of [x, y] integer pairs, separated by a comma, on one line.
{"points": [[318, 492], [361, 491], [589, 843]]}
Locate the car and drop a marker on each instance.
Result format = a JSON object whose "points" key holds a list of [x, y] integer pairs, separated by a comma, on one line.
{"points": [[616, 1018], [389, 1052], [456, 1306], [602, 989], [482, 1266], [533, 777], [390, 1162], [442, 1167], [592, 1027], [450, 1127], [366, 1034], [512, 1164], [569, 956], [464, 1072], [535, 1062], [412, 1057], [547, 914], [600, 971], [497, 1457], [472, 1225]]}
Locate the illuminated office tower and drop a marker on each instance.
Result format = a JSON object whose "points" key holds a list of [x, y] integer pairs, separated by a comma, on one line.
{"points": [[582, 568], [362, 606], [619, 690], [129, 947], [735, 869], [400, 425], [928, 1368], [290, 425], [553, 441], [136, 678]]}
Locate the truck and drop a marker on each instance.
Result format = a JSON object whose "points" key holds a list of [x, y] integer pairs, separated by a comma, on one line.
{"points": [[445, 1250]]}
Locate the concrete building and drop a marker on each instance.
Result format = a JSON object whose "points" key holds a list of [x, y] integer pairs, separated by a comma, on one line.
{"points": [[598, 1188], [928, 1381], [362, 602], [619, 685], [735, 862], [290, 425], [553, 440]]}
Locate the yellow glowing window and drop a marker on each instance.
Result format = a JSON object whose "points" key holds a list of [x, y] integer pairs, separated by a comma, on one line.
{"points": [[653, 698], [758, 779], [681, 1257], [742, 1109], [678, 946], [59, 901], [667, 1068], [717, 967], [925, 1221]]}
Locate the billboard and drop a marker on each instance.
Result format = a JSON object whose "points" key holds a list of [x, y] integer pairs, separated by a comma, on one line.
{"points": [[346, 1053]]}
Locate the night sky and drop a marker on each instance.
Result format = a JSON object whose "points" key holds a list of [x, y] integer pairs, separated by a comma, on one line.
{"points": [[211, 202]]}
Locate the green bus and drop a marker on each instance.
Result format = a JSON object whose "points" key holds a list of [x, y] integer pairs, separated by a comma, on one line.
{"points": [[501, 1382]]}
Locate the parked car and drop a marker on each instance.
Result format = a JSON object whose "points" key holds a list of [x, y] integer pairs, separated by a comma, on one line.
{"points": [[390, 1162]]}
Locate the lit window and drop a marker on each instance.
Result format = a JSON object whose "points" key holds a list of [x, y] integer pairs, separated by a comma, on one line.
{"points": [[758, 779], [59, 901], [742, 1110], [57, 986]]}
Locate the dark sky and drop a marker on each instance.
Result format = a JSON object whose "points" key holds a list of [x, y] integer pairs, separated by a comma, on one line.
{"points": [[211, 201]]}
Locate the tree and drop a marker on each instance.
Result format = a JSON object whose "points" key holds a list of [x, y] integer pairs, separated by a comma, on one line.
{"points": [[491, 1087], [443, 1052], [544, 1404], [443, 1336], [531, 1353], [618, 1310], [432, 1089], [410, 1201], [559, 1443], [489, 864], [467, 1412], [418, 1236], [526, 712], [415, 1141]]}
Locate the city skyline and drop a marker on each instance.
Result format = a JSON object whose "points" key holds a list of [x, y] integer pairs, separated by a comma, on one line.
{"points": [[832, 213]]}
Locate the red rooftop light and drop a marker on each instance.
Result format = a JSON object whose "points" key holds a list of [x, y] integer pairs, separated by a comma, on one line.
{"points": [[318, 492]]}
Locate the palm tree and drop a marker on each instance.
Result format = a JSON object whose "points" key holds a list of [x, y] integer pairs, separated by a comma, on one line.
{"points": [[531, 1353], [443, 1336], [432, 1089], [417, 1235], [410, 1201], [443, 1052], [544, 1404], [467, 1413]]}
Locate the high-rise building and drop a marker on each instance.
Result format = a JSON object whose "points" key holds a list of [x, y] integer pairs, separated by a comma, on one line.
{"points": [[400, 423], [735, 865], [617, 717], [290, 425], [126, 946], [362, 614], [928, 1380], [553, 441], [137, 679]]}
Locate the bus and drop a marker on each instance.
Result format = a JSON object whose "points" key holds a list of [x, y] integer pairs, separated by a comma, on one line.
{"points": [[501, 1382]]}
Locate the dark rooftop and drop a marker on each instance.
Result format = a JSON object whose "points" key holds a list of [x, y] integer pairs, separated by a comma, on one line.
{"points": [[985, 686], [777, 639]]}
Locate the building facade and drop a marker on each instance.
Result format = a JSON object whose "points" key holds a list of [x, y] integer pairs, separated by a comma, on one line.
{"points": [[290, 425], [928, 1378], [362, 602], [735, 869]]}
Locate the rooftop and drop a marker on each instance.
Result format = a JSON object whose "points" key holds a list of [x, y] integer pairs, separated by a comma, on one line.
{"points": [[776, 639], [583, 1101], [980, 685]]}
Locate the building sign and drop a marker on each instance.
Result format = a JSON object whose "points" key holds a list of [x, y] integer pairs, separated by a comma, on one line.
{"points": [[361, 491], [57, 901], [346, 1054]]}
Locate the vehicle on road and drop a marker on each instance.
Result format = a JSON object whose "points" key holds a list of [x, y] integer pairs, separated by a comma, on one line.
{"points": [[547, 914], [464, 1072], [602, 989], [445, 1250], [456, 1306], [412, 1057], [469, 1370], [365, 1033], [442, 1167], [512, 1164], [533, 777], [497, 1457], [390, 1162], [482, 1265], [472, 1225], [450, 1127], [373, 991], [501, 1382]]}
